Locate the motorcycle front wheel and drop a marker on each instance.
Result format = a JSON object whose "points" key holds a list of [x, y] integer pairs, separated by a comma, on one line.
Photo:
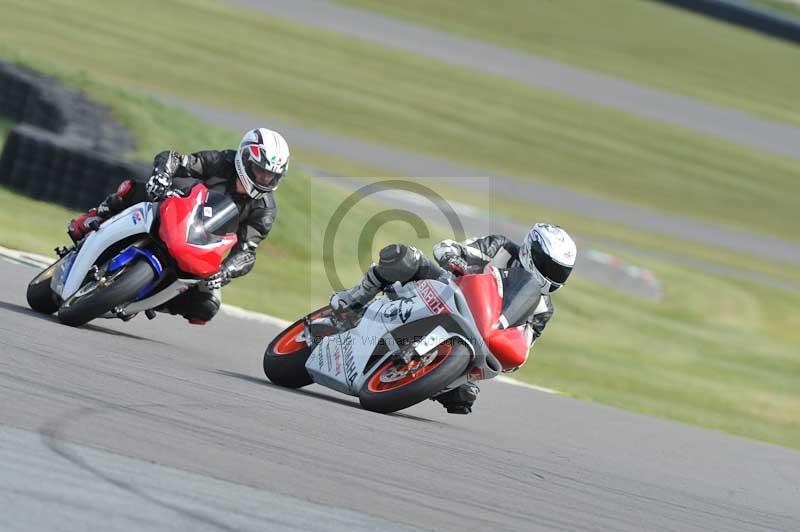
{"points": [[95, 298], [394, 385]]}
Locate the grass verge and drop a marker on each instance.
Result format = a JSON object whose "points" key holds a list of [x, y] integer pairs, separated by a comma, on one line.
{"points": [[780, 7], [344, 85], [717, 353], [647, 42], [5, 127]]}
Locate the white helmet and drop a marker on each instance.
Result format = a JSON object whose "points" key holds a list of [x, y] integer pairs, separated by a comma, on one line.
{"points": [[549, 252], [261, 161]]}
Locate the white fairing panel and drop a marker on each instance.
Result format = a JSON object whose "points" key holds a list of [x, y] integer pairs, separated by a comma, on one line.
{"points": [[132, 221], [339, 361], [59, 275]]}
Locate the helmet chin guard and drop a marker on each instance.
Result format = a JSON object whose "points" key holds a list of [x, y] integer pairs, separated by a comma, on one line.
{"points": [[261, 161]]}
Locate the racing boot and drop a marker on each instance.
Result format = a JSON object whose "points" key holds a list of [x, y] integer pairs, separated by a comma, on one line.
{"points": [[83, 225], [459, 400], [357, 297], [126, 195]]}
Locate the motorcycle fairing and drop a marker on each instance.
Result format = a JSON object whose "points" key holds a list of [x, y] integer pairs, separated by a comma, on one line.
{"points": [[208, 228], [132, 221], [178, 216], [483, 294], [327, 362], [164, 295], [458, 320], [61, 272], [340, 361]]}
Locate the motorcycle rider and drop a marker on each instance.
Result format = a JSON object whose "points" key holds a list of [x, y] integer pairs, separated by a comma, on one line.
{"points": [[249, 175], [547, 252]]}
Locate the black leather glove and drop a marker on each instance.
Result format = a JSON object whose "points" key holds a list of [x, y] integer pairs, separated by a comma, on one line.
{"points": [[158, 185], [218, 280], [454, 264]]}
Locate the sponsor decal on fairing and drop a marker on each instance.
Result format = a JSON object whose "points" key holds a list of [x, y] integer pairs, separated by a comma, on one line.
{"points": [[345, 344], [431, 298], [136, 217], [398, 310]]}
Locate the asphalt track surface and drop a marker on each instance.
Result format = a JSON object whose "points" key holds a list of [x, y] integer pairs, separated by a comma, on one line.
{"points": [[164, 426], [529, 69]]}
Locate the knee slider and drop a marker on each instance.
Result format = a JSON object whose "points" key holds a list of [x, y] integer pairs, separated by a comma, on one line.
{"points": [[398, 262]]}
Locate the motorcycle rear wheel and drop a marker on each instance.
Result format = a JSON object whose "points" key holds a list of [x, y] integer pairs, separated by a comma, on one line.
{"points": [[94, 299], [285, 357], [391, 388]]}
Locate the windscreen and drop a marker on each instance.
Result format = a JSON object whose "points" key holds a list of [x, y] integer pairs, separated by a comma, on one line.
{"points": [[217, 217], [521, 294]]}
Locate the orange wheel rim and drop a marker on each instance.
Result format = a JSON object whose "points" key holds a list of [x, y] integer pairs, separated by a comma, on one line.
{"points": [[392, 377], [288, 342]]}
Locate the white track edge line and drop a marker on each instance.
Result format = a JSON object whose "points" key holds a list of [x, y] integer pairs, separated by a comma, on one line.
{"points": [[514, 382], [236, 312]]}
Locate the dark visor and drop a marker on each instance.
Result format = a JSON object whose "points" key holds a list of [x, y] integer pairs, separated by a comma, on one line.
{"points": [[555, 272], [264, 180]]}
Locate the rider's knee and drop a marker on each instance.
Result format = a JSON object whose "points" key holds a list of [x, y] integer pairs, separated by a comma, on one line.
{"points": [[398, 262], [198, 305]]}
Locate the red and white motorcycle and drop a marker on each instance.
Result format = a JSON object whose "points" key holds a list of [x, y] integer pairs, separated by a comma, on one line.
{"points": [[139, 259], [417, 341]]}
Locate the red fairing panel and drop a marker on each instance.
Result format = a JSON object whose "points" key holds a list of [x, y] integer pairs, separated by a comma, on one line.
{"points": [[176, 214], [509, 345]]}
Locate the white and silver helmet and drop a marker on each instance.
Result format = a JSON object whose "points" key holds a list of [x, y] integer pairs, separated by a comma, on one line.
{"points": [[549, 252], [261, 161]]}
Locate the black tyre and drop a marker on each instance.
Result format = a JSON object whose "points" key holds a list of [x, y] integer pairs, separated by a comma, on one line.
{"points": [[285, 357], [94, 299], [41, 297], [390, 388]]}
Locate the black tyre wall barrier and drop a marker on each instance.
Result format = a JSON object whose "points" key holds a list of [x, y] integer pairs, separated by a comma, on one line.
{"points": [[755, 19], [61, 169], [29, 97], [68, 149]]}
